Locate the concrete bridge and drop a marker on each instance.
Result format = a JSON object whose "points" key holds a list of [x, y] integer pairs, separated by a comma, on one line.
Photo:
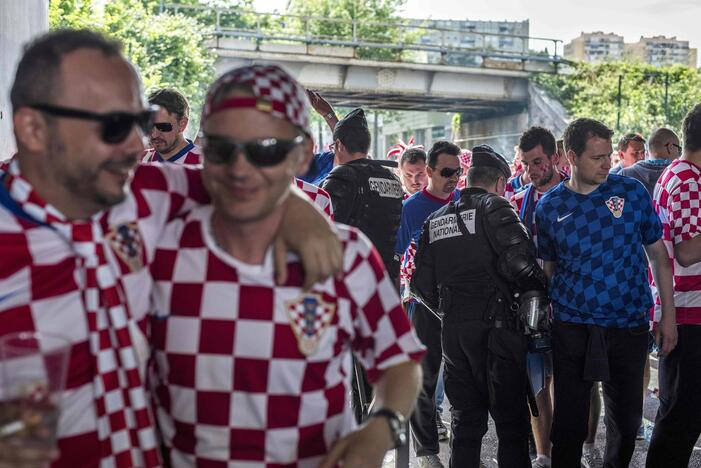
{"points": [[428, 70]]}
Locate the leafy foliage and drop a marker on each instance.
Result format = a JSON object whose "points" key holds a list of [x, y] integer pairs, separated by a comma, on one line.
{"points": [[168, 49], [374, 22], [592, 91]]}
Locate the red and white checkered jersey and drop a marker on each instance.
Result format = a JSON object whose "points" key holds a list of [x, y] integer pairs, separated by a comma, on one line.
{"points": [[190, 154], [517, 201], [407, 269], [252, 374], [319, 196], [677, 201], [41, 286]]}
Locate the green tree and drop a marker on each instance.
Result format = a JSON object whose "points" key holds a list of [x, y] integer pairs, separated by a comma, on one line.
{"points": [[374, 22], [592, 91], [168, 49]]}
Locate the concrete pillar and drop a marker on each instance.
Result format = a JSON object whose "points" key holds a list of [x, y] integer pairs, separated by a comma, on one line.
{"points": [[20, 21]]}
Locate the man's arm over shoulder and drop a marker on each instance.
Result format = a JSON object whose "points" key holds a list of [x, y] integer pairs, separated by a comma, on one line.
{"points": [[342, 185]]}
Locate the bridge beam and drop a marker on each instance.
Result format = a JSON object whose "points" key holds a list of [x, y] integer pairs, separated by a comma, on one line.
{"points": [[390, 85]]}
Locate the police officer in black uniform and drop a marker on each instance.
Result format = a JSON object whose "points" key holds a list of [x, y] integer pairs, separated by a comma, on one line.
{"points": [[364, 192], [474, 270], [367, 195]]}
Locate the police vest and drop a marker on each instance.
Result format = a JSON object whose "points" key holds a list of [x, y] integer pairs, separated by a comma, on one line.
{"points": [[373, 204]]}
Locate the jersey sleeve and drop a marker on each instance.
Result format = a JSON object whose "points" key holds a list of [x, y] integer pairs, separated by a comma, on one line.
{"points": [[546, 241], [650, 227], [404, 234], [182, 186], [383, 335], [685, 212], [423, 280]]}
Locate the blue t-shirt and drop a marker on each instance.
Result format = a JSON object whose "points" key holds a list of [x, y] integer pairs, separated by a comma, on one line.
{"points": [[319, 168], [415, 210], [597, 242]]}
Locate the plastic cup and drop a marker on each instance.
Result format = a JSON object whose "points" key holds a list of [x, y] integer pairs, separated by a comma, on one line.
{"points": [[32, 378]]}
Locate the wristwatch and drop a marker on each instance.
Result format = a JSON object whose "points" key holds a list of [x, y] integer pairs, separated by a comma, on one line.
{"points": [[397, 425], [330, 115]]}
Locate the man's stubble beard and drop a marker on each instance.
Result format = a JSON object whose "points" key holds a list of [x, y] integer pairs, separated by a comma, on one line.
{"points": [[546, 178], [82, 182]]}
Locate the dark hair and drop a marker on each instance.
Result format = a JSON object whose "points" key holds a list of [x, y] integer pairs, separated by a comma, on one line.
{"points": [[535, 136], [37, 76], [627, 138], [173, 101], [441, 147], [356, 138], [483, 176], [691, 129], [580, 130], [412, 156]]}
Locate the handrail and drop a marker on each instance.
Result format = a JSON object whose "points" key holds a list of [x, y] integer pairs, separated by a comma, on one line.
{"points": [[409, 25], [483, 40]]}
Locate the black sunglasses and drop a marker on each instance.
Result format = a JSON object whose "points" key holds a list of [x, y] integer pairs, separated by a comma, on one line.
{"points": [[164, 127], [264, 152], [448, 172], [116, 126]]}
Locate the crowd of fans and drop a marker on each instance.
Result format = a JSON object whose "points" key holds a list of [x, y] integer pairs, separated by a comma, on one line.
{"points": [[216, 316]]}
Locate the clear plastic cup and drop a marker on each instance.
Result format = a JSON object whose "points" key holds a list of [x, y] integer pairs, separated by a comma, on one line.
{"points": [[33, 370]]}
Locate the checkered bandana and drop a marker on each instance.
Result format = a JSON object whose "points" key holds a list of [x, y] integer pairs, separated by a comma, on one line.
{"points": [[274, 92], [125, 427]]}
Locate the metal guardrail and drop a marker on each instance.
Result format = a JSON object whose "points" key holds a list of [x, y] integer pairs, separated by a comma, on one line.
{"points": [[414, 41]]}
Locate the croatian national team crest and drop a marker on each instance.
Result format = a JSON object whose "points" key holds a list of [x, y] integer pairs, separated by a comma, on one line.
{"points": [[310, 316], [127, 243], [615, 204]]}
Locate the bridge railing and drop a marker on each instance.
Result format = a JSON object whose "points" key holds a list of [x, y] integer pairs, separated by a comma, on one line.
{"points": [[413, 41]]}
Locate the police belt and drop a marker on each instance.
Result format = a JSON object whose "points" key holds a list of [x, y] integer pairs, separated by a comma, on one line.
{"points": [[459, 305]]}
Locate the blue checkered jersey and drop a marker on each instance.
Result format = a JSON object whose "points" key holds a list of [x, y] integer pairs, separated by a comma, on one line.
{"points": [[597, 242]]}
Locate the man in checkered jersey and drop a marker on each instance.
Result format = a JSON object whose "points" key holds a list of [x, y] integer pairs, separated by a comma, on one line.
{"points": [[253, 374], [678, 202], [594, 233], [77, 231]]}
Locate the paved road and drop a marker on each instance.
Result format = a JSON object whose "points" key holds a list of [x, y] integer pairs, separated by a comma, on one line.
{"points": [[489, 445]]}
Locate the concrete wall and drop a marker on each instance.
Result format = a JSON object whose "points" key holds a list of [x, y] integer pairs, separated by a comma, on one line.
{"points": [[501, 133], [546, 111], [20, 20]]}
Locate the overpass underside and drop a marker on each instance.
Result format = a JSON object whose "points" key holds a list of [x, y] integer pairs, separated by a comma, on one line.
{"points": [[351, 82]]}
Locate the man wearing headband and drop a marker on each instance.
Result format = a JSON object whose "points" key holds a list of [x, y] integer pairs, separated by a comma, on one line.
{"points": [[79, 221], [473, 255], [253, 373]]}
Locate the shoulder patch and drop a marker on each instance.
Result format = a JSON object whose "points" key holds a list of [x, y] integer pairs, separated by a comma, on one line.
{"points": [[386, 188], [446, 226]]}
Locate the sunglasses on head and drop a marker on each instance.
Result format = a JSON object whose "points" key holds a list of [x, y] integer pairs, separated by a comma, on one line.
{"points": [[116, 126], [264, 152], [448, 172], [163, 127]]}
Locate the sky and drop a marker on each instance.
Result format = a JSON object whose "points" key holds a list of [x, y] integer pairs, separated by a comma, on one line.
{"points": [[565, 19]]}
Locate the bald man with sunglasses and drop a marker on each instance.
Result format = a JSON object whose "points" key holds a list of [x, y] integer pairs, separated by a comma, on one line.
{"points": [[167, 136]]}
